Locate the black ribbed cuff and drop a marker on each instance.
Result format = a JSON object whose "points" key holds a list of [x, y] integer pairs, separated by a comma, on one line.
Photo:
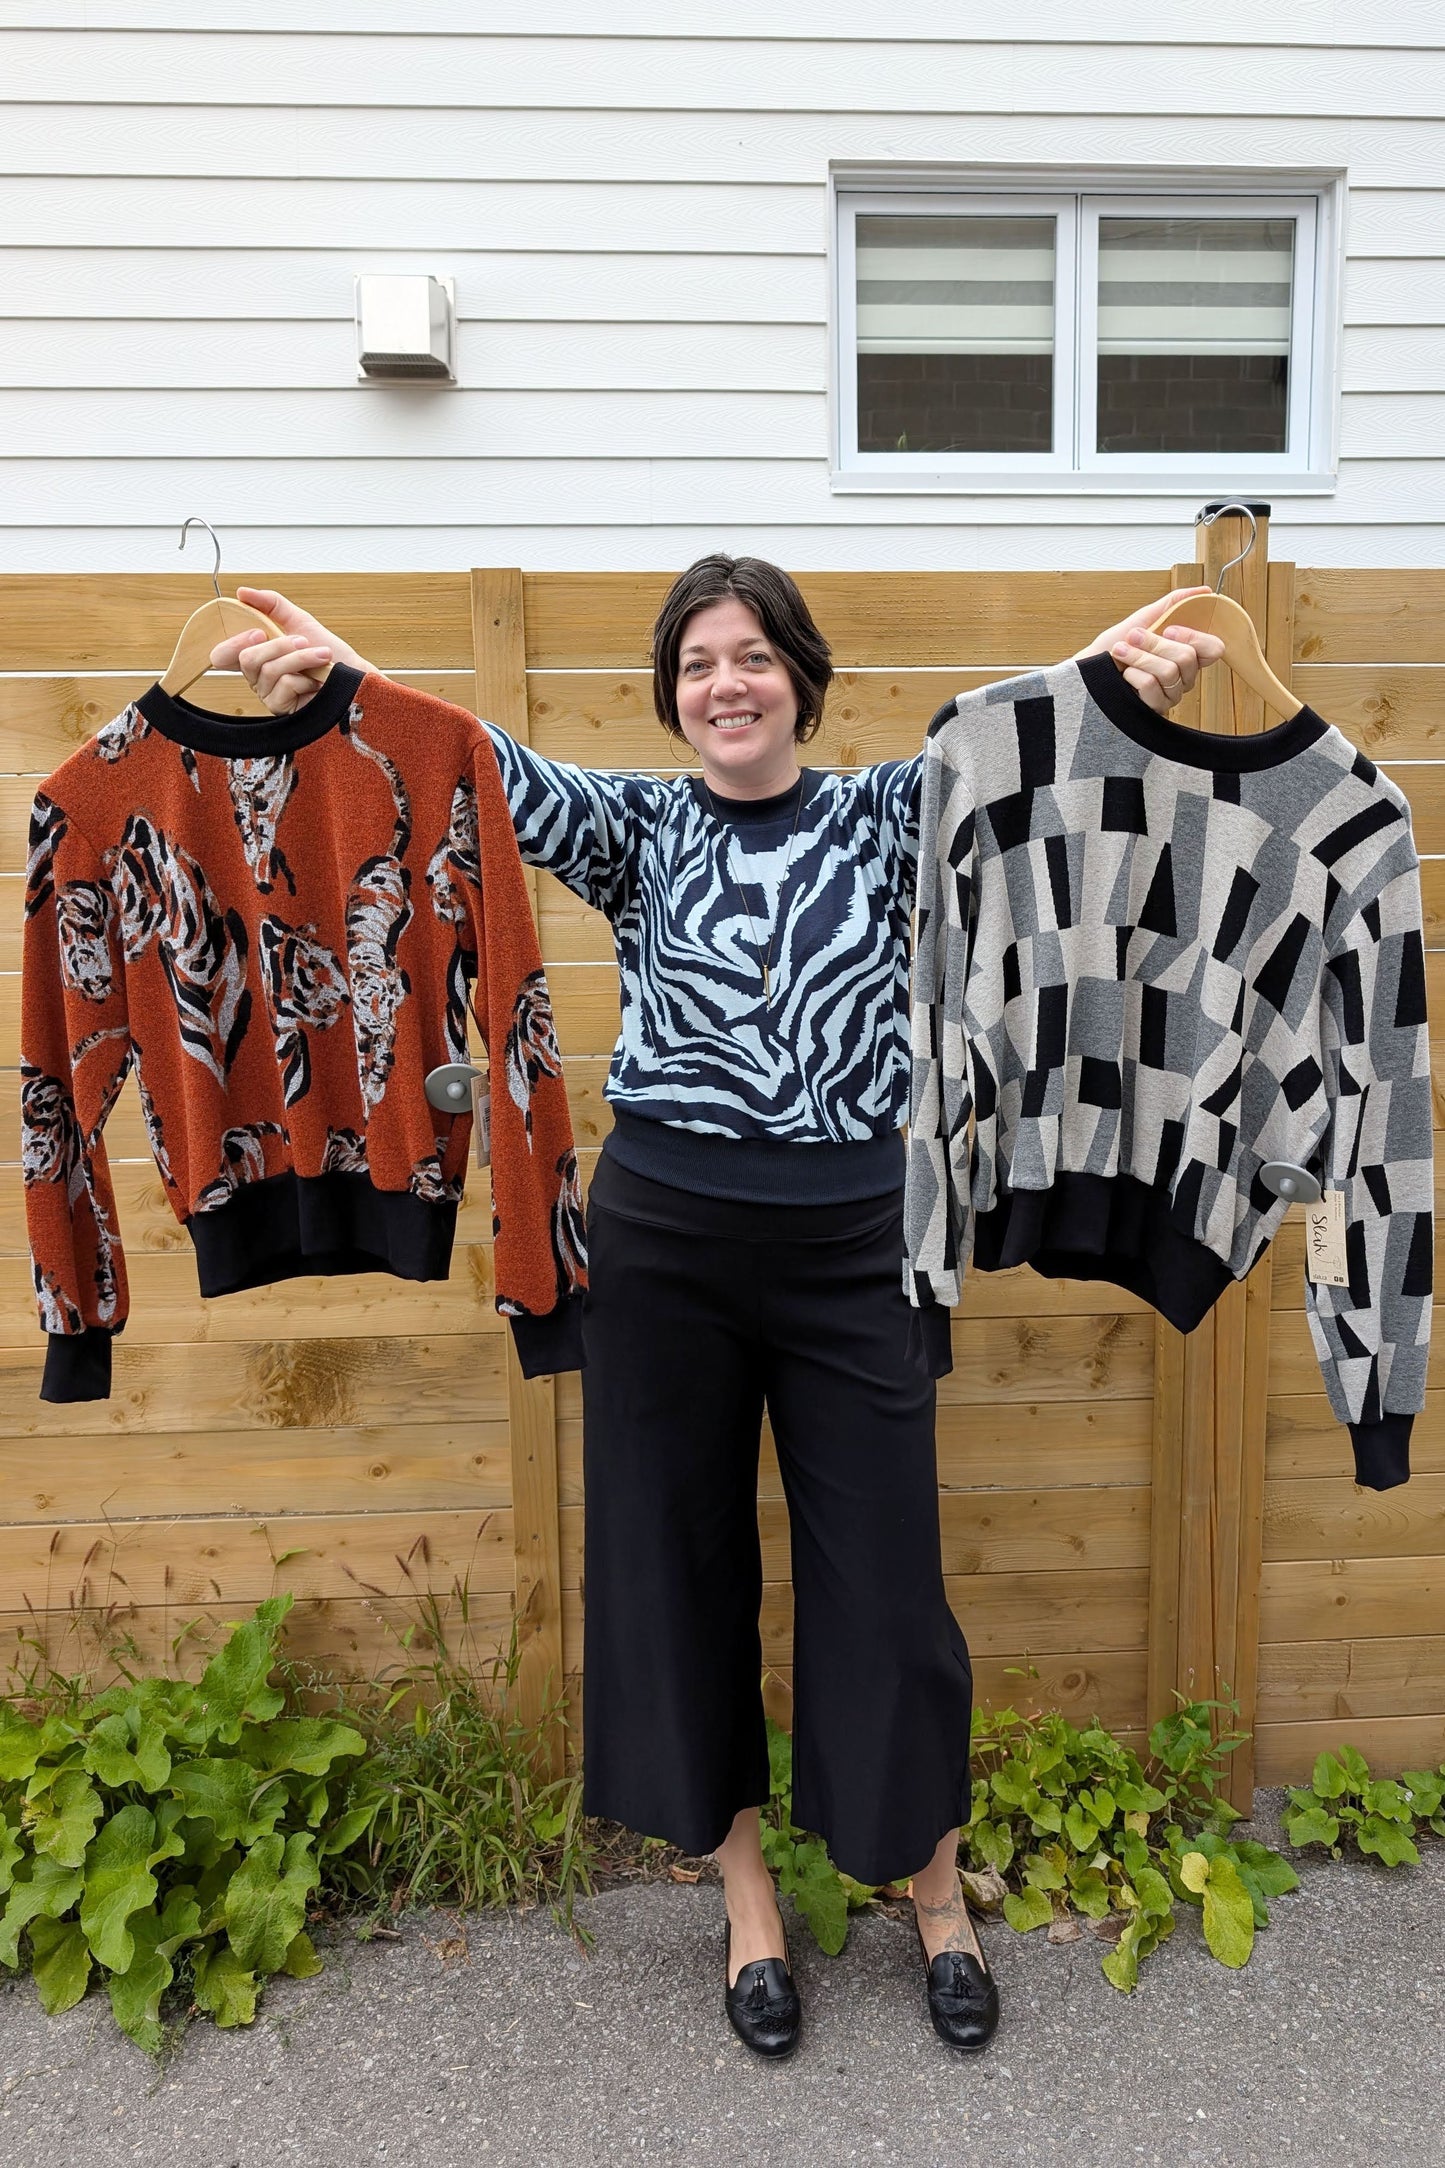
{"points": [[77, 1365], [1382, 1451], [551, 1343]]}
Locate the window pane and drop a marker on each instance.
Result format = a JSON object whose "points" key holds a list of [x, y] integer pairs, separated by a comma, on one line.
{"points": [[1194, 325], [955, 334]]}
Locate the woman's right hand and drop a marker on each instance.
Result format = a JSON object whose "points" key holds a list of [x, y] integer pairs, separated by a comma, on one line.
{"points": [[288, 672]]}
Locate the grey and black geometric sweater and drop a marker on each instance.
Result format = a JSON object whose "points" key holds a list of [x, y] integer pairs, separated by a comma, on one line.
{"points": [[1148, 962]]}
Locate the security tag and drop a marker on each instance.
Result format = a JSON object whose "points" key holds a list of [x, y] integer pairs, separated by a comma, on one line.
{"points": [[1325, 1240], [481, 1118]]}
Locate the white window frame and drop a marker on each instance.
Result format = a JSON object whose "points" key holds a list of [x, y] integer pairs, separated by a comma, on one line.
{"points": [[1079, 199], [1059, 462]]}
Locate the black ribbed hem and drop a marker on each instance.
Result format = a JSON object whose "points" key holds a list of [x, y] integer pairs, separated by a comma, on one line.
{"points": [[1104, 1227], [551, 1343], [292, 1225], [77, 1365], [1382, 1451], [930, 1339], [755, 1170]]}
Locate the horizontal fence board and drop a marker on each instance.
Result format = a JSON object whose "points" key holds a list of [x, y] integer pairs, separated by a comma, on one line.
{"points": [[64, 622], [1390, 712], [1285, 1753], [165, 1307], [603, 620], [1331, 1517], [995, 1360], [1344, 1599], [265, 1385], [414, 1467], [1303, 1437], [1395, 1676], [1369, 614], [242, 1560], [1039, 1614]]}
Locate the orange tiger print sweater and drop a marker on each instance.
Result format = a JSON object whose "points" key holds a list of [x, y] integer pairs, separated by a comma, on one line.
{"points": [[278, 923]]}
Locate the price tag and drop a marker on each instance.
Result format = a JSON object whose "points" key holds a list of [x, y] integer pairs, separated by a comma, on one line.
{"points": [[1325, 1240], [481, 1118]]}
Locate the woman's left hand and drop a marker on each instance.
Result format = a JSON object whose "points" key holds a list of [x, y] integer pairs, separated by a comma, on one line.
{"points": [[1161, 666]]}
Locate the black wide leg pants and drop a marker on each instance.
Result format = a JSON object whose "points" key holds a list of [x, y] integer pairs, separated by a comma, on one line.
{"points": [[704, 1311]]}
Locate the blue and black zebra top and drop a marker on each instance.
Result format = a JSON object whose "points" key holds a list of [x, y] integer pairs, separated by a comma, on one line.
{"points": [[702, 1061]]}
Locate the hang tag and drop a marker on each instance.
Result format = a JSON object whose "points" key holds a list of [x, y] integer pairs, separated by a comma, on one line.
{"points": [[481, 1119], [1325, 1240]]}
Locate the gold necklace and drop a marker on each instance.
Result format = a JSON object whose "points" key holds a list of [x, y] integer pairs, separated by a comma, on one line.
{"points": [[765, 961]]}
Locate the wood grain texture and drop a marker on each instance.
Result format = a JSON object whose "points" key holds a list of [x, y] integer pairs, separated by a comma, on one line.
{"points": [[1303, 1437], [58, 622], [1344, 1599], [603, 620], [1369, 615], [1397, 1675], [1285, 1753], [1332, 1517]]}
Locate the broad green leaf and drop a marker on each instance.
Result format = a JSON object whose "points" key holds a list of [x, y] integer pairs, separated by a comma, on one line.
{"points": [[1385, 1797], [233, 1685], [1312, 1825], [223, 1791], [1102, 1805], [135, 1995], [1329, 1780], [354, 1823], [301, 1959], [1426, 1789], [1047, 1818], [1026, 1909], [12, 1851], [1264, 1874], [812, 1882], [1012, 1784], [1153, 1892], [129, 1748], [60, 1960], [1081, 1829], [780, 1760], [1044, 1873], [1228, 1914], [46, 1892], [309, 1744], [1356, 1768], [118, 1882], [1138, 1798], [20, 1745], [225, 1987], [266, 1899], [1194, 1871], [1387, 1842], [1121, 1967], [65, 1820]]}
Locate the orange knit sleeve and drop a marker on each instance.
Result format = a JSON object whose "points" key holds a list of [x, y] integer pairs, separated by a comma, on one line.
{"points": [[75, 1050]]}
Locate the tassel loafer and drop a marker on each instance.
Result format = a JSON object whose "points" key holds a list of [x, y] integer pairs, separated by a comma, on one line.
{"points": [[762, 2003], [962, 1997]]}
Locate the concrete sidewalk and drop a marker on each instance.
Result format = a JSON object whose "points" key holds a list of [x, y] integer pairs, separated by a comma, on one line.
{"points": [[410, 2054]]}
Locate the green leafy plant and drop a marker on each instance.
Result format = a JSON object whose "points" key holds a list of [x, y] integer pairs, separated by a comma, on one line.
{"points": [[822, 1893], [1069, 1825], [1344, 1808], [160, 1825]]}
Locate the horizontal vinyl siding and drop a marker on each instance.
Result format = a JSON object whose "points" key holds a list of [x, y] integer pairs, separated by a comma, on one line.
{"points": [[637, 224]]}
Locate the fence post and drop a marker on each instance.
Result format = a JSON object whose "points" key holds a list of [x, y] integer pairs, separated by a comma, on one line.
{"points": [[499, 650], [1210, 1387]]}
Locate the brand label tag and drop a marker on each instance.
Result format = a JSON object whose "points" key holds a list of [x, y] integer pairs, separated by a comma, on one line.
{"points": [[481, 1118], [1325, 1240]]}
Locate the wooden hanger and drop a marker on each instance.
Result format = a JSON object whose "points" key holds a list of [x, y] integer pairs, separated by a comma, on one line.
{"points": [[206, 627], [1232, 623]]}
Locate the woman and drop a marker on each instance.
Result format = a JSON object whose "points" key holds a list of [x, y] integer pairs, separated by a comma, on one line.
{"points": [[745, 1231]]}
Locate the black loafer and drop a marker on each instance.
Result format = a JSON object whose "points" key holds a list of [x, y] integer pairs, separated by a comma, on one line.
{"points": [[762, 2003], [962, 1997]]}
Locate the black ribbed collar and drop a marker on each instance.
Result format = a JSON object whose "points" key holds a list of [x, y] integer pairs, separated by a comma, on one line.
{"points": [[238, 737], [781, 806], [1111, 691]]}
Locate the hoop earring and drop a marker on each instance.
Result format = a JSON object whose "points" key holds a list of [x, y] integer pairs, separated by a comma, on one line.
{"points": [[673, 737]]}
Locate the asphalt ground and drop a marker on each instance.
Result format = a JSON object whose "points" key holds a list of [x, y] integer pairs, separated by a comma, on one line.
{"points": [[497, 2041]]}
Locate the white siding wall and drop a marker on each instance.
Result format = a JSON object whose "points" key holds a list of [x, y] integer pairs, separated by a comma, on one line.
{"points": [[637, 224]]}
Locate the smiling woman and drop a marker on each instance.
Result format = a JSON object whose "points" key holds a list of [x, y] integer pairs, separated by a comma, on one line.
{"points": [[745, 1229]]}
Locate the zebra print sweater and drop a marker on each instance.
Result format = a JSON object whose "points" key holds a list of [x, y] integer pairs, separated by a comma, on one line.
{"points": [[1150, 962], [708, 1078], [280, 926]]}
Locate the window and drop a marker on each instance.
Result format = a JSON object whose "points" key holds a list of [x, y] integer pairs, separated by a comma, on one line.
{"points": [[1084, 340]]}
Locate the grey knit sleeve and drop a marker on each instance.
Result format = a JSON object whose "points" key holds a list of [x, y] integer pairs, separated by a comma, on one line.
{"points": [[1373, 1337]]}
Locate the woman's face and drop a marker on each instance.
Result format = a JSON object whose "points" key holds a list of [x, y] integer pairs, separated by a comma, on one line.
{"points": [[736, 703]]}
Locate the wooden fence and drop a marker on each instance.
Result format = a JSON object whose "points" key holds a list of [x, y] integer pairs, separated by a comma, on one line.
{"points": [[1127, 1511]]}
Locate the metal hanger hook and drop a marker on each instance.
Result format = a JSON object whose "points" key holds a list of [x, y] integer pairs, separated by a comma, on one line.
{"points": [[1207, 519], [196, 521]]}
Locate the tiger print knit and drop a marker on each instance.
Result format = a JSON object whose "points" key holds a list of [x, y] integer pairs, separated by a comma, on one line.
{"points": [[1150, 962], [279, 924]]}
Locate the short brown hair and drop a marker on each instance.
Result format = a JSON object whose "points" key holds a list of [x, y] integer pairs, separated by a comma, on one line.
{"points": [[775, 600]]}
